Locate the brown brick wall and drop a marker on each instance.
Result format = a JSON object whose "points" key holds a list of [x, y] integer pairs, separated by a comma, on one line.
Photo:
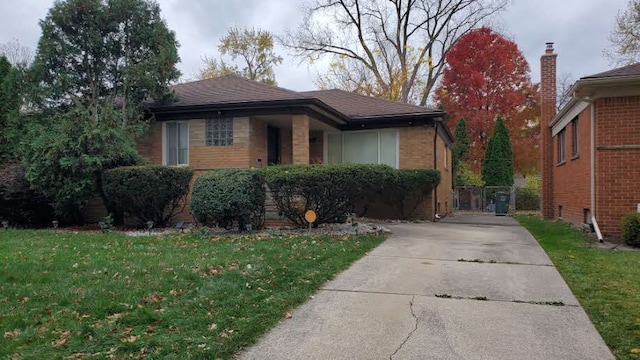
{"points": [[572, 180], [149, 145], [548, 94], [444, 189], [258, 143], [237, 155], [300, 139], [618, 170], [416, 147]]}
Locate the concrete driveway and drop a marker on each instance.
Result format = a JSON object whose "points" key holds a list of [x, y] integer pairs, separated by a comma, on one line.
{"points": [[469, 287]]}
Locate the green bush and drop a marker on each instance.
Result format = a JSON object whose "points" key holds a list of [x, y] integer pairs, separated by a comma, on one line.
{"points": [[147, 192], [329, 190], [527, 199], [229, 196], [409, 189], [631, 229], [20, 205]]}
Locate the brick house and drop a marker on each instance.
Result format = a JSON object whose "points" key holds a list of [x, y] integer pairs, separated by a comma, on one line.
{"points": [[591, 147], [233, 122]]}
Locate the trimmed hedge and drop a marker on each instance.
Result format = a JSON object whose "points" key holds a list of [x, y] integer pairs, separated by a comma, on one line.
{"points": [[147, 192], [329, 190], [20, 205], [527, 199], [229, 196], [409, 189], [631, 229]]}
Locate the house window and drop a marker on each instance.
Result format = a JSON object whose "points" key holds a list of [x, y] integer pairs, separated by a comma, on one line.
{"points": [[363, 147], [574, 138], [176, 143], [561, 141], [220, 131]]}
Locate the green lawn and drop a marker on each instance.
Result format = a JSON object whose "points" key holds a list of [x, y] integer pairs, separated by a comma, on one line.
{"points": [[606, 282], [108, 295]]}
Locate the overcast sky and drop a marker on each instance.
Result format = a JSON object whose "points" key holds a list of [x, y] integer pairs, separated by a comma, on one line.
{"points": [[579, 29]]}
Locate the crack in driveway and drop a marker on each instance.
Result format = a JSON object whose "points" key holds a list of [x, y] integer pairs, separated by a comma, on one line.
{"points": [[412, 331]]}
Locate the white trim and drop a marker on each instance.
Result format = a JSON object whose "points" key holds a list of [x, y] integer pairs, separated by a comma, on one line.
{"points": [[565, 120], [164, 142]]}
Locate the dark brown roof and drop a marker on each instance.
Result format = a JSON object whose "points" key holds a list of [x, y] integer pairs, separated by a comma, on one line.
{"points": [[629, 70], [232, 93], [357, 106], [229, 89]]}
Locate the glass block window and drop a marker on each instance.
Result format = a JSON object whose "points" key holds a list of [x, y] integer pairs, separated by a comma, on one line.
{"points": [[219, 131]]}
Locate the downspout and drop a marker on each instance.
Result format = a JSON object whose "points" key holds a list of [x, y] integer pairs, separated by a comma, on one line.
{"points": [[593, 172], [435, 167]]}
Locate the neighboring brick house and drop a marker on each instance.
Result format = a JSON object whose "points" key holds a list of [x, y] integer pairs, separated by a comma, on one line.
{"points": [[233, 122], [591, 147]]}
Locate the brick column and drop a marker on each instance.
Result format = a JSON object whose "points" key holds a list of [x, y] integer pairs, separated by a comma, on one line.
{"points": [[547, 112], [300, 139]]}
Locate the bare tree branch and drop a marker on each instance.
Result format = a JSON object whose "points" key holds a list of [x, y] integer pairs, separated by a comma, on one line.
{"points": [[399, 44], [16, 53], [563, 85], [625, 37]]}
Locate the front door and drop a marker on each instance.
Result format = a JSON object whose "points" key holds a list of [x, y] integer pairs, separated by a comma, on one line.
{"points": [[273, 145]]}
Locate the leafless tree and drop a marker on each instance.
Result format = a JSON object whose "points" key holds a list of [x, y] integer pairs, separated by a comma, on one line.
{"points": [[400, 44], [16, 53], [563, 86], [625, 37]]}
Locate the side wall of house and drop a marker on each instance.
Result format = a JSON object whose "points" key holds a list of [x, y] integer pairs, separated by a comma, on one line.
{"points": [[572, 178], [444, 195], [415, 151], [617, 160]]}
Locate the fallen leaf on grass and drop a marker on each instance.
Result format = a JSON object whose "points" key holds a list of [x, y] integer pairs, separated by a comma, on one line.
{"points": [[150, 329], [61, 340], [213, 327], [131, 339], [635, 351], [11, 334], [114, 317]]}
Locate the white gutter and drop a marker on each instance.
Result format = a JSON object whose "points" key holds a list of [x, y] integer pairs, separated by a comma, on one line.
{"points": [[593, 173]]}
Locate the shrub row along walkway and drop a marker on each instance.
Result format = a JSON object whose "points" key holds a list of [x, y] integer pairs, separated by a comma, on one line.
{"points": [[472, 287]]}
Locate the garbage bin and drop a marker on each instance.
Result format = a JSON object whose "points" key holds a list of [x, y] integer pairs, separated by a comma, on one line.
{"points": [[502, 203]]}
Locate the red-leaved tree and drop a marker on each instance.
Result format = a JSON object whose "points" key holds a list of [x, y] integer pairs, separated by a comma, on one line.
{"points": [[486, 75]]}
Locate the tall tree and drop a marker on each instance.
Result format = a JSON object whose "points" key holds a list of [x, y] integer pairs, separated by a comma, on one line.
{"points": [[254, 48], [486, 75], [625, 36], [16, 53], [97, 63], [460, 150], [497, 169], [5, 68], [396, 48], [9, 107]]}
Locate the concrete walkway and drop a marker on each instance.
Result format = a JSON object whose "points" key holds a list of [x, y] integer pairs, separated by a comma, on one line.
{"points": [[413, 298]]}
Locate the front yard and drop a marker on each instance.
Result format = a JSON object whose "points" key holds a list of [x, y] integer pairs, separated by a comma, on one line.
{"points": [[65, 294], [606, 282]]}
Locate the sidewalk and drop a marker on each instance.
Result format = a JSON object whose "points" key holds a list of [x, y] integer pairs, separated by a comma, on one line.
{"points": [[412, 298]]}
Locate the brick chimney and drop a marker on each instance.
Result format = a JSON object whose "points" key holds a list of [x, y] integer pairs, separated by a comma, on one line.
{"points": [[547, 112]]}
